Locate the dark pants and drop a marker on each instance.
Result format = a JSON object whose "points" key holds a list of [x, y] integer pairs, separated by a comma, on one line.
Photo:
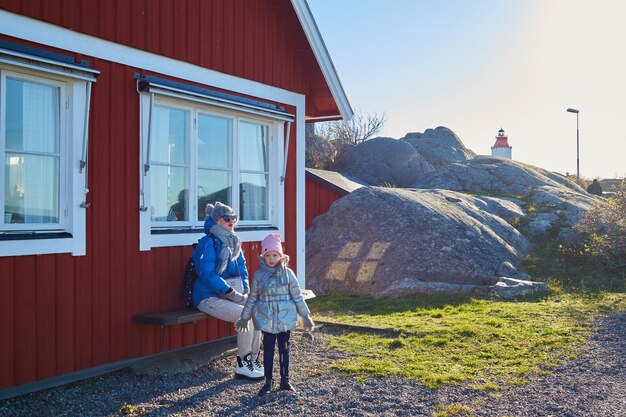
{"points": [[269, 343]]}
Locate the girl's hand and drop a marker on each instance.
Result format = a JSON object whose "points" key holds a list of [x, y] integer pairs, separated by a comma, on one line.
{"points": [[242, 325], [307, 323]]}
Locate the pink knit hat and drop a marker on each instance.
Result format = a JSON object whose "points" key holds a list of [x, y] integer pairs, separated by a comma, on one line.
{"points": [[271, 243]]}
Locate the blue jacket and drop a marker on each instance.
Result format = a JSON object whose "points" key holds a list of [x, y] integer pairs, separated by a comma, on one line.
{"points": [[209, 283]]}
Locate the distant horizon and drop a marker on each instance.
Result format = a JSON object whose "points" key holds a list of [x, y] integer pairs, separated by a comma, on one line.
{"points": [[475, 67]]}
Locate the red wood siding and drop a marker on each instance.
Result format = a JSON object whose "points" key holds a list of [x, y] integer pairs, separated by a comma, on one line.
{"points": [[318, 200], [60, 313], [260, 40], [7, 322]]}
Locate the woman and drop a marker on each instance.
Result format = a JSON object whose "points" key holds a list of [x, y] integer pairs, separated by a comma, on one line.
{"points": [[222, 285]]}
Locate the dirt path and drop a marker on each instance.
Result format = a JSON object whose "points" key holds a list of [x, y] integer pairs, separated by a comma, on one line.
{"points": [[593, 385]]}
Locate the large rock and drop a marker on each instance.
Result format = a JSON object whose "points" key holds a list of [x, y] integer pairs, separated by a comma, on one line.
{"points": [[552, 200], [440, 146], [506, 288], [384, 161], [376, 238]]}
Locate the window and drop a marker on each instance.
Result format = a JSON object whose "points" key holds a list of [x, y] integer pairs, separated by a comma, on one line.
{"points": [[42, 121], [196, 154], [33, 195]]}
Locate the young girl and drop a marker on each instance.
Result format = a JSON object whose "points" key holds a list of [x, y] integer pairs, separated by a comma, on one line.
{"points": [[274, 303]]}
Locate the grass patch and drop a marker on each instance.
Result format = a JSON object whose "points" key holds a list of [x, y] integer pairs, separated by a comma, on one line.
{"points": [[451, 410], [484, 343]]}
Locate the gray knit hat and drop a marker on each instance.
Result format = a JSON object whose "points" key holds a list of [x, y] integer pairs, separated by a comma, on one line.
{"points": [[218, 210]]}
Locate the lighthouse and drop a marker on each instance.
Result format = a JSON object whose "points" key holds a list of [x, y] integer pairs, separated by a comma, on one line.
{"points": [[501, 148]]}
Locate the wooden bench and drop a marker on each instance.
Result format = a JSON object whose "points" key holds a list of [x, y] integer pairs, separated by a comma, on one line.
{"points": [[183, 316], [170, 318]]}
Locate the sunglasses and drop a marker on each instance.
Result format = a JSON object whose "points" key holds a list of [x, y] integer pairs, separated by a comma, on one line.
{"points": [[229, 218]]}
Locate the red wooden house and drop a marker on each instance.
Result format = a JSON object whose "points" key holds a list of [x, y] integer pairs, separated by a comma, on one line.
{"points": [[323, 188], [119, 121]]}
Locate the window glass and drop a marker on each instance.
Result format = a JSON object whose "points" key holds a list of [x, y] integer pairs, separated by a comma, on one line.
{"points": [[31, 189], [169, 167], [170, 193], [253, 202], [199, 156], [32, 116], [214, 142], [169, 136], [253, 143], [32, 153], [214, 186]]}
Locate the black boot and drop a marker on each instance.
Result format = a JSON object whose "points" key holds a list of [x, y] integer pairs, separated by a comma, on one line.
{"points": [[267, 387], [285, 385]]}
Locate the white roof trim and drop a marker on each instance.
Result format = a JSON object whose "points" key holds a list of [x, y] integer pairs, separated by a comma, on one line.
{"points": [[323, 57]]}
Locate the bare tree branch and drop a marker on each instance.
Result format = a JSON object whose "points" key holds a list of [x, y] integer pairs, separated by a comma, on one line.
{"points": [[330, 139]]}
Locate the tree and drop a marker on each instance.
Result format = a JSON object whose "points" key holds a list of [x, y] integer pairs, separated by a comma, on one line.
{"points": [[354, 131], [320, 152], [330, 139]]}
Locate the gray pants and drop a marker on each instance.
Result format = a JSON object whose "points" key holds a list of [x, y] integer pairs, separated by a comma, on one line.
{"points": [[247, 342]]}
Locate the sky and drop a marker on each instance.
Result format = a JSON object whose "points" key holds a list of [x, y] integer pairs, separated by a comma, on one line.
{"points": [[476, 66]]}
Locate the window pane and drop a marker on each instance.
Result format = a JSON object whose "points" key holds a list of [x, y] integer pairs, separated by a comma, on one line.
{"points": [[169, 136], [31, 189], [32, 116], [253, 194], [213, 186], [253, 143], [170, 193], [214, 142]]}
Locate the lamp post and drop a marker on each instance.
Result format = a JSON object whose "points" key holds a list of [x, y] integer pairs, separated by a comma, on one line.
{"points": [[577, 147]]}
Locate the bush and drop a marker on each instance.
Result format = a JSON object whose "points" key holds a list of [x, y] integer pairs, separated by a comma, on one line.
{"points": [[603, 229]]}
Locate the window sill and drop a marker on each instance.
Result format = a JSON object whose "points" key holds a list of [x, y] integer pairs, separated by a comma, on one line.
{"points": [[183, 237], [19, 244]]}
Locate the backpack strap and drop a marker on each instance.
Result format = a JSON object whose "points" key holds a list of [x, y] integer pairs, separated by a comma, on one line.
{"points": [[213, 238]]}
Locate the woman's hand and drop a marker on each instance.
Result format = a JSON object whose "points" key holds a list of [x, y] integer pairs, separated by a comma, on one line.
{"points": [[234, 296]]}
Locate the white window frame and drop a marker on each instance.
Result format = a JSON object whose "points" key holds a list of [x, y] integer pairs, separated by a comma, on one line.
{"points": [[180, 233], [69, 235]]}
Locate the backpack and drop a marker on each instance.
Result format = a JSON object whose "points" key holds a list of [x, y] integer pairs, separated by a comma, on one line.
{"points": [[189, 278]]}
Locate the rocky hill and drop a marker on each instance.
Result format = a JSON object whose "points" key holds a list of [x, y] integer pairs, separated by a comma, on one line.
{"points": [[446, 220], [551, 200], [384, 161], [439, 146]]}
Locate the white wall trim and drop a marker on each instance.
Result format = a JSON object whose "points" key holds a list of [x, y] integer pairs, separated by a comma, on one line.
{"points": [[323, 57], [300, 195]]}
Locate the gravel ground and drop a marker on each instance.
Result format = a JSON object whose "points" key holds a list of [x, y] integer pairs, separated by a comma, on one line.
{"points": [[592, 385]]}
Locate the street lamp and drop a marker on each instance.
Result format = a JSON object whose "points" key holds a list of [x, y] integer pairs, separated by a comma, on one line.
{"points": [[577, 146]]}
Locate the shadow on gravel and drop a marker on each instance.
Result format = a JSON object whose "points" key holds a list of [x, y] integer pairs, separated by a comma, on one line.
{"points": [[338, 328]]}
